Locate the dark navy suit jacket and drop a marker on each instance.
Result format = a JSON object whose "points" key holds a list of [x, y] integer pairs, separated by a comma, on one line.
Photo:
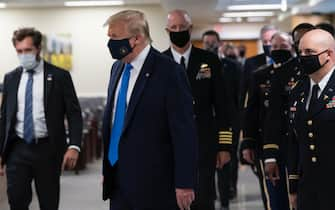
{"points": [[158, 147]]}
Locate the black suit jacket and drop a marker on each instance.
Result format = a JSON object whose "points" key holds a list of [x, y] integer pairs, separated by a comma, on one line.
{"points": [[250, 65], [60, 100], [158, 145], [213, 104]]}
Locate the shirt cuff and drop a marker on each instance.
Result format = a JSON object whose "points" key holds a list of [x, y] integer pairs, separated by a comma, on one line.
{"points": [[270, 160], [74, 147]]}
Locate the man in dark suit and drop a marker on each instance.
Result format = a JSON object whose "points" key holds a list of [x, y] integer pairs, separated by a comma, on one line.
{"points": [[213, 104], [253, 63], [36, 97], [150, 142], [227, 176], [312, 121]]}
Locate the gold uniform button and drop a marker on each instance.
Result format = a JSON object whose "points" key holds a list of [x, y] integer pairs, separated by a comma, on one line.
{"points": [[310, 135], [314, 159], [309, 122], [312, 147]]}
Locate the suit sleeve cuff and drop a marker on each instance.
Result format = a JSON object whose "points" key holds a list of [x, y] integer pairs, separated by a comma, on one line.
{"points": [[270, 160], [74, 147], [293, 183], [270, 151], [225, 140]]}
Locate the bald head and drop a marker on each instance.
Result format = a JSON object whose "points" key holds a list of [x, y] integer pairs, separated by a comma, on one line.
{"points": [[316, 41], [178, 20], [321, 44]]}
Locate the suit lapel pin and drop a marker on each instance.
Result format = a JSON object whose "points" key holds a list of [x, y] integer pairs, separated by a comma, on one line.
{"points": [[330, 90], [49, 77], [147, 75]]}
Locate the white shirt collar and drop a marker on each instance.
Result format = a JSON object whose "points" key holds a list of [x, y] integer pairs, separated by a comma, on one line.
{"points": [[39, 67], [177, 56], [324, 81], [138, 62]]}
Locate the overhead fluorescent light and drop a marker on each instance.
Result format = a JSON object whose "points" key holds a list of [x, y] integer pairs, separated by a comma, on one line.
{"points": [[2, 5], [256, 19], [248, 7], [226, 20], [248, 14], [92, 3], [313, 3]]}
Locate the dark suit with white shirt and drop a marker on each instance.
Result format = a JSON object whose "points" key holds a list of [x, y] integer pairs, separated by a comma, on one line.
{"points": [[157, 151], [54, 98]]}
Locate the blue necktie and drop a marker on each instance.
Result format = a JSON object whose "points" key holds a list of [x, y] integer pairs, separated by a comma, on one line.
{"points": [[28, 126], [120, 113]]}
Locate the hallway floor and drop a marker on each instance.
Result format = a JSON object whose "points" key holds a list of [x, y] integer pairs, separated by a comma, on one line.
{"points": [[83, 191]]}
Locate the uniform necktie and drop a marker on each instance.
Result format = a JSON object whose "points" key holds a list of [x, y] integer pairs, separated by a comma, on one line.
{"points": [[314, 97], [182, 61], [28, 124], [120, 113]]}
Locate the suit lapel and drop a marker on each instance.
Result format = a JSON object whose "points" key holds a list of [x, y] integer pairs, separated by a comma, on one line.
{"points": [[14, 85], [193, 65], [115, 77], [48, 83], [325, 96], [142, 79]]}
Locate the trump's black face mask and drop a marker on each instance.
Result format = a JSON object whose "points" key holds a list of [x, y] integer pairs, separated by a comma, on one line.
{"points": [[119, 48]]}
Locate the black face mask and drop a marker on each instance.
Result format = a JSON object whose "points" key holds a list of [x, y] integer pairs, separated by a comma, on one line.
{"points": [[267, 50], [311, 63], [119, 48], [281, 56], [233, 57], [180, 38], [242, 53], [212, 48]]}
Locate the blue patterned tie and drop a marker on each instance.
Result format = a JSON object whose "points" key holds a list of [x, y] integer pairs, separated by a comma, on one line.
{"points": [[28, 129], [120, 113]]}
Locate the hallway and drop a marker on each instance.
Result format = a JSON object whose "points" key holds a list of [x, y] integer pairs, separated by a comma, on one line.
{"points": [[83, 191]]}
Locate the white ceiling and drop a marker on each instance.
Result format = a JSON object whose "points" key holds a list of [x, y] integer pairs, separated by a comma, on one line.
{"points": [[202, 11]]}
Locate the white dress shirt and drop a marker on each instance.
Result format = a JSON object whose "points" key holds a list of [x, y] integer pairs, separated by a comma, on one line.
{"points": [[40, 128], [177, 56], [322, 85], [137, 65]]}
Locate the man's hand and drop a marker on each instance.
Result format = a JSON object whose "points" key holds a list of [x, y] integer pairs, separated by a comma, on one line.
{"points": [[222, 159], [272, 172], [249, 155], [185, 197], [2, 168], [70, 159], [293, 200]]}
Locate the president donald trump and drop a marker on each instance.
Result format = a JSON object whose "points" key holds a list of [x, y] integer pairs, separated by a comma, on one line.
{"points": [[150, 153]]}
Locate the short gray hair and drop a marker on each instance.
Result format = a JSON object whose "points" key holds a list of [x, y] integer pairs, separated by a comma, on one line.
{"points": [[268, 28], [284, 35], [135, 21]]}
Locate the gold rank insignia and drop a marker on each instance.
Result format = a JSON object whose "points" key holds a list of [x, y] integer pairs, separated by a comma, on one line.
{"points": [[204, 72], [225, 137]]}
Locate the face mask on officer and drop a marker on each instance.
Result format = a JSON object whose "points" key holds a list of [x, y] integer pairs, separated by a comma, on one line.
{"points": [[28, 60], [180, 38], [281, 55], [311, 63], [212, 47], [119, 48], [267, 50]]}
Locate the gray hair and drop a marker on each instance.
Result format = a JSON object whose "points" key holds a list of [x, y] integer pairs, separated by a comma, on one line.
{"points": [[284, 35], [182, 12], [266, 28], [135, 21]]}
